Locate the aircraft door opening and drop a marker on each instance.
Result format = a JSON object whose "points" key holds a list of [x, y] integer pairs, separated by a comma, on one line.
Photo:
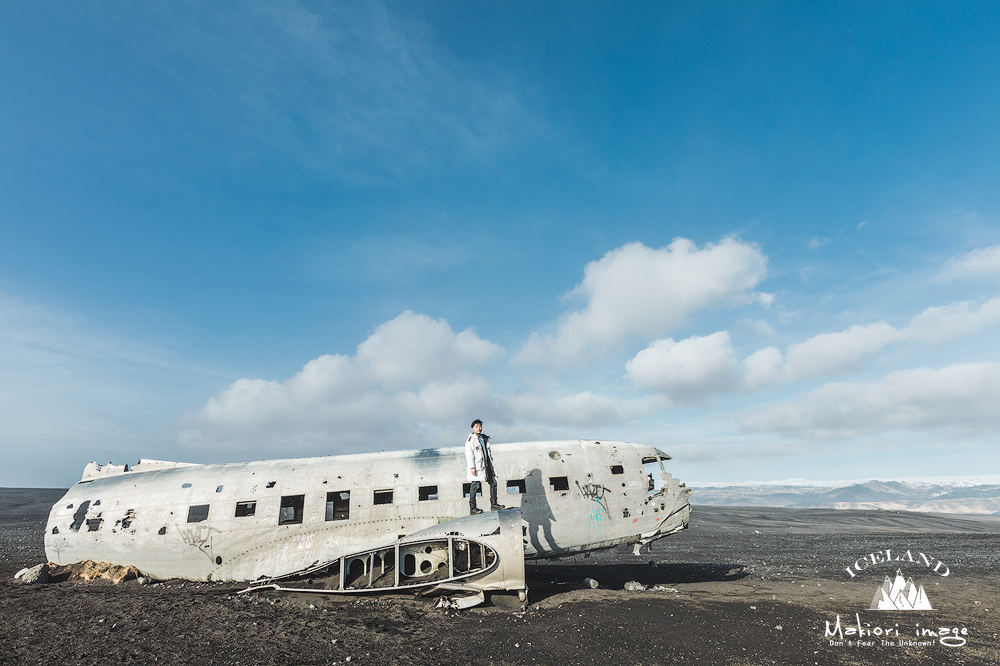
{"points": [[654, 473]]}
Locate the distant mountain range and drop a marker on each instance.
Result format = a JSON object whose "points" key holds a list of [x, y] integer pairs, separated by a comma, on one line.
{"points": [[936, 497]]}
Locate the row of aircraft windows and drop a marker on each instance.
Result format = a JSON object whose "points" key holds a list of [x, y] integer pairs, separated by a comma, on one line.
{"points": [[338, 503]]}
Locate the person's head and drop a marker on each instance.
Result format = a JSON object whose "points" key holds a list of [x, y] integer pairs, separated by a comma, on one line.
{"points": [[477, 426]]}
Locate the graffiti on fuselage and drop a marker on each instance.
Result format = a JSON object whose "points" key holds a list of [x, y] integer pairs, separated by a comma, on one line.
{"points": [[596, 493], [200, 538]]}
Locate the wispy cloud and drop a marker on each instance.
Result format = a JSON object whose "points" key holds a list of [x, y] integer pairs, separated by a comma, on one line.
{"points": [[981, 262], [958, 399], [78, 392], [331, 88]]}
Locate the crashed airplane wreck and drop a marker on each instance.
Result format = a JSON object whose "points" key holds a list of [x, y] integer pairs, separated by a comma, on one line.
{"points": [[372, 522]]}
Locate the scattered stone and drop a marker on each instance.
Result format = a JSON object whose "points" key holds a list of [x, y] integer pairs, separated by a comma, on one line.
{"points": [[36, 574], [664, 588], [634, 586], [591, 583]]}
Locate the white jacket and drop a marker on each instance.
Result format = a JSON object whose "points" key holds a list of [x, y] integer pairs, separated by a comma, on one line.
{"points": [[475, 458]]}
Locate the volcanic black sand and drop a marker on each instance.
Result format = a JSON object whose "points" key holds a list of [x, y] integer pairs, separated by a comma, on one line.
{"points": [[742, 586]]}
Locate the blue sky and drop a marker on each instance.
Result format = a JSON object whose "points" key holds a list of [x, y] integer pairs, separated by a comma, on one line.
{"points": [[764, 239]]}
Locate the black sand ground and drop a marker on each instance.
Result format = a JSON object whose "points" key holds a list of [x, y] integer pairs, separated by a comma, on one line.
{"points": [[743, 586]]}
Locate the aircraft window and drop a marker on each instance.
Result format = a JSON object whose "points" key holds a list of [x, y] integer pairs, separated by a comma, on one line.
{"points": [[338, 505], [246, 509], [557, 483], [515, 487], [383, 497], [467, 486], [428, 493], [197, 513], [291, 509], [617, 469]]}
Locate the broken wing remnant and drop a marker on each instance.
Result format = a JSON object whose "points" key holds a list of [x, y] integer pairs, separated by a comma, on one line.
{"points": [[477, 553], [367, 520]]}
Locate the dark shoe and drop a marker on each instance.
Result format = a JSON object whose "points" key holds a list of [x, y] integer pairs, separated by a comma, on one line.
{"points": [[475, 512], [497, 507]]}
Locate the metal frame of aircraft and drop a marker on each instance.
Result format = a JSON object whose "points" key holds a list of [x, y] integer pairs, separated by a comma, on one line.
{"points": [[367, 522]]}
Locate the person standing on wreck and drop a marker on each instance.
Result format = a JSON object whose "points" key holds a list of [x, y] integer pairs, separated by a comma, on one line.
{"points": [[479, 462]]}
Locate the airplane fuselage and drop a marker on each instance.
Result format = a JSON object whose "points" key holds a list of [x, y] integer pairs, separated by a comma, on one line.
{"points": [[244, 521]]}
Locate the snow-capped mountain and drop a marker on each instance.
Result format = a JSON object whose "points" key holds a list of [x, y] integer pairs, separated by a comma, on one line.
{"points": [[935, 496]]}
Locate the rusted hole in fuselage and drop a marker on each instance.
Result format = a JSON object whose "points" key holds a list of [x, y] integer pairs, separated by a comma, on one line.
{"points": [[163, 530], [94, 524]]}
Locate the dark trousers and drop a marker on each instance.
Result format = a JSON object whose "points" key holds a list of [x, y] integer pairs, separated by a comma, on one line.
{"points": [[476, 486]]}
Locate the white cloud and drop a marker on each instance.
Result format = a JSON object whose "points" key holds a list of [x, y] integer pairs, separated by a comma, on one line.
{"points": [[764, 366], [581, 409], [941, 324], [698, 367], [410, 371], [960, 398], [816, 242], [689, 370], [830, 353], [412, 348], [637, 292], [981, 262], [755, 328]]}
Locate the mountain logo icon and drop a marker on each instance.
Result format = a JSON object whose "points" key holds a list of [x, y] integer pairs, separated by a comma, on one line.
{"points": [[900, 594]]}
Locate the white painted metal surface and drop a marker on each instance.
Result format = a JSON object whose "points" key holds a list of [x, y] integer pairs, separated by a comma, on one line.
{"points": [[267, 519]]}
